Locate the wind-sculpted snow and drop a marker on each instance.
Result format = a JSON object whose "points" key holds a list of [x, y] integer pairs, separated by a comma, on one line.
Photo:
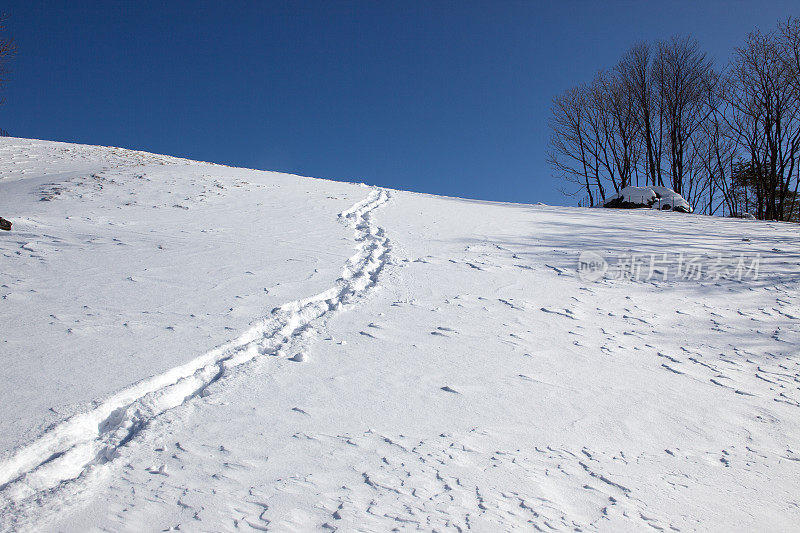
{"points": [[91, 439]]}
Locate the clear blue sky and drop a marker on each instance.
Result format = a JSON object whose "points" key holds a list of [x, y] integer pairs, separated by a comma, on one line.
{"points": [[442, 97]]}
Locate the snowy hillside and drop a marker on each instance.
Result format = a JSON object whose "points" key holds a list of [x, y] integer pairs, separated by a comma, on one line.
{"points": [[188, 346]]}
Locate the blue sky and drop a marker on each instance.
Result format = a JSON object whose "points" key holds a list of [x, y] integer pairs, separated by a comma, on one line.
{"points": [[441, 97]]}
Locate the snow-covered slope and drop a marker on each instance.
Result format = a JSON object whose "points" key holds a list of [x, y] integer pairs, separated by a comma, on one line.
{"points": [[197, 347]]}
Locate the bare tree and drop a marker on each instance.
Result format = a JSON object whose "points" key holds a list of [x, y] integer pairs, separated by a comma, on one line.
{"points": [[594, 141], [683, 74], [568, 153], [727, 142], [717, 152], [621, 130], [789, 31], [636, 76], [600, 131], [765, 117]]}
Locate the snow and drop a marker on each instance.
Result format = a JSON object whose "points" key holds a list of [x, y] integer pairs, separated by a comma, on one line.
{"points": [[655, 196], [203, 348]]}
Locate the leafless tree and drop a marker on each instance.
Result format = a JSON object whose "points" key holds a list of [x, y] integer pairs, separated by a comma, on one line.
{"points": [[727, 142], [594, 136], [600, 131], [635, 72], [716, 147], [789, 39], [789, 31], [765, 117], [683, 74], [568, 153], [621, 129]]}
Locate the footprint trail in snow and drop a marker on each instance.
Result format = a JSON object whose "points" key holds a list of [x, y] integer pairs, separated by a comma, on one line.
{"points": [[85, 441]]}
